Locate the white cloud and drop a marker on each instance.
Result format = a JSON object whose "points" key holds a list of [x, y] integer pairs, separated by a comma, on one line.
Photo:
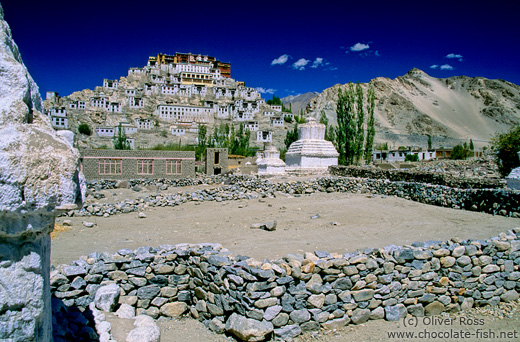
{"points": [[456, 56], [435, 66], [263, 90], [300, 64], [281, 60], [446, 67], [359, 47], [317, 62]]}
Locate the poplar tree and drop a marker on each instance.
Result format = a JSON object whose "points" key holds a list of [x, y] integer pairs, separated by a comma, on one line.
{"points": [[345, 132], [360, 129], [119, 141], [371, 131]]}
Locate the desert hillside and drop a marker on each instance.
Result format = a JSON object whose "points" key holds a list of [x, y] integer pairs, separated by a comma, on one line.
{"points": [[451, 110]]}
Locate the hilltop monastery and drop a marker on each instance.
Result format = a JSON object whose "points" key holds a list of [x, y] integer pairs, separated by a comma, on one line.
{"points": [[173, 95]]}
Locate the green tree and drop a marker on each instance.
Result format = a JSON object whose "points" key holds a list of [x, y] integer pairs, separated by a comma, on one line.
{"points": [[506, 147], [429, 142], [119, 141], [471, 146], [202, 143], [291, 136], [345, 133], [83, 128], [371, 130], [360, 121], [329, 134]]}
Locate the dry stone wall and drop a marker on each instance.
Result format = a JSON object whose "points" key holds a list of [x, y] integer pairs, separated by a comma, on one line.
{"points": [[411, 175], [505, 202], [253, 300]]}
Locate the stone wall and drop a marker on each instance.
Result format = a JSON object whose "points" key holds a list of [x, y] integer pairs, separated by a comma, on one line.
{"points": [[410, 175], [505, 202], [129, 159], [300, 292]]}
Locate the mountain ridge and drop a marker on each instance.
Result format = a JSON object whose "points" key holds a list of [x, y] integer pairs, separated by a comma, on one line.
{"points": [[415, 105]]}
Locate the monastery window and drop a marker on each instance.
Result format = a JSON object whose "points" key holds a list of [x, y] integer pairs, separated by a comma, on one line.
{"points": [[110, 166], [145, 166], [173, 166]]}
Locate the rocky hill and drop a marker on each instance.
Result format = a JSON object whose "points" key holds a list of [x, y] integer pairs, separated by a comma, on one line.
{"points": [[451, 110], [300, 102]]}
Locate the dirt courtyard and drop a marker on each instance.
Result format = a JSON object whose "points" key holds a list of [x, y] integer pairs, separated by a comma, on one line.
{"points": [[342, 222], [346, 222]]}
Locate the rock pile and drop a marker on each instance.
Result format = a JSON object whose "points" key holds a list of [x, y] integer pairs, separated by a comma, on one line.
{"points": [[298, 293]]}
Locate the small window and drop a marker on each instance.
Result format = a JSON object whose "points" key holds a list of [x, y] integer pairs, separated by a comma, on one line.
{"points": [[217, 158], [145, 166]]}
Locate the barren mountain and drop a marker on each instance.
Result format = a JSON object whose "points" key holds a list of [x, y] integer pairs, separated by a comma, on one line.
{"points": [[299, 102], [451, 110]]}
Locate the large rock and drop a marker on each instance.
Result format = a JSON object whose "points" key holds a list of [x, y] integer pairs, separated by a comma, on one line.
{"points": [[38, 173], [174, 309], [247, 329], [107, 297]]}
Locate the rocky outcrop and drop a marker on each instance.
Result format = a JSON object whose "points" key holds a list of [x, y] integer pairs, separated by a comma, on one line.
{"points": [[451, 110], [38, 173]]}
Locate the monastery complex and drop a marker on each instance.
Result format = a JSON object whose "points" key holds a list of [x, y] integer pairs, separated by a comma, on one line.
{"points": [[172, 96]]}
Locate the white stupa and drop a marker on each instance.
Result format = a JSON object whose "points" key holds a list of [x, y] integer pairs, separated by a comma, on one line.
{"points": [[311, 153], [270, 163], [513, 180]]}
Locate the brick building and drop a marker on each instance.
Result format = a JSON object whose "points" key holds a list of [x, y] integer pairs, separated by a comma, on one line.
{"points": [[119, 164]]}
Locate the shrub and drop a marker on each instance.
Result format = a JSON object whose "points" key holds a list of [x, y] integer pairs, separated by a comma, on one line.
{"points": [[84, 129], [506, 146], [459, 152], [411, 158]]}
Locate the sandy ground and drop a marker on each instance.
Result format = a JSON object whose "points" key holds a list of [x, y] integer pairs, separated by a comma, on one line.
{"points": [[361, 221]]}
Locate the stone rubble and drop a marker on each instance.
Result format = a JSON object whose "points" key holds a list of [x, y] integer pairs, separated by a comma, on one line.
{"points": [[298, 293]]}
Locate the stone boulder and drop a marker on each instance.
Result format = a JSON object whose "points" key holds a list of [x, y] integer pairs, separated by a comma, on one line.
{"points": [[107, 297], [247, 329], [38, 173]]}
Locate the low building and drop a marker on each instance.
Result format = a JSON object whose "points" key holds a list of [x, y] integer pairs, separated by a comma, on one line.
{"points": [[277, 122], [110, 84], [144, 123], [277, 108], [264, 136], [105, 131], [177, 131], [216, 161], [58, 117], [124, 164]]}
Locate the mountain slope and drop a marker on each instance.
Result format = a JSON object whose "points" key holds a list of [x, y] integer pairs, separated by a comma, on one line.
{"points": [[452, 110], [298, 103]]}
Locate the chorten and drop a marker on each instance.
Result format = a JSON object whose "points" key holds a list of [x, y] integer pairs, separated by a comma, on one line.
{"points": [[513, 180], [311, 152], [270, 163]]}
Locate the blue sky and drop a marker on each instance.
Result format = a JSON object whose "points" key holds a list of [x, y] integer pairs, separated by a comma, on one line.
{"points": [[282, 47]]}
